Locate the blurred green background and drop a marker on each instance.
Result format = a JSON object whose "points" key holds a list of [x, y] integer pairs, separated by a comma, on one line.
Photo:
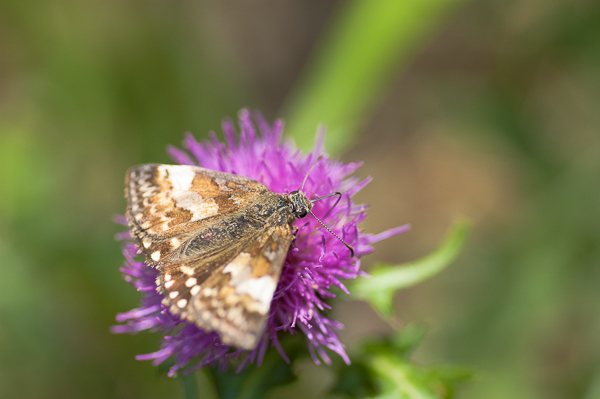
{"points": [[485, 109]]}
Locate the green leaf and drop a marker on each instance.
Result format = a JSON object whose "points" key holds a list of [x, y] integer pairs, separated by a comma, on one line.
{"points": [[369, 41], [399, 378], [386, 280], [382, 369]]}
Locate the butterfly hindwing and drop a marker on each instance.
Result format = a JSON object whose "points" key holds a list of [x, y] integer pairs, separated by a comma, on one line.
{"points": [[234, 298], [167, 205]]}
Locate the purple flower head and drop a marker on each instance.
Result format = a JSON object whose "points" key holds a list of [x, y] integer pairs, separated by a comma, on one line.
{"points": [[316, 265]]}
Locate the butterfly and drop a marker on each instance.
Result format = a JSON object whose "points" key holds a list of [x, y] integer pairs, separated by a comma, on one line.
{"points": [[218, 241]]}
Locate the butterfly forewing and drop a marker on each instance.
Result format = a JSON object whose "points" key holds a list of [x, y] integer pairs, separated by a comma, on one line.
{"points": [[219, 241], [170, 204]]}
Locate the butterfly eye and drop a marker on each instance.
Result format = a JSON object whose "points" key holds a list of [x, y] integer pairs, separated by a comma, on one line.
{"points": [[301, 213]]}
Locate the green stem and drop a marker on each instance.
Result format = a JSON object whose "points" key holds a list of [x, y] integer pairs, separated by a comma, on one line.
{"points": [[189, 387]]}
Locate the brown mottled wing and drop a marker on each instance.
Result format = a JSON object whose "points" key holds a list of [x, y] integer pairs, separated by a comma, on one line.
{"points": [[167, 205], [232, 297]]}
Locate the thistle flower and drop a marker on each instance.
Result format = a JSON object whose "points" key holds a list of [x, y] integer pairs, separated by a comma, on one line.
{"points": [[316, 265]]}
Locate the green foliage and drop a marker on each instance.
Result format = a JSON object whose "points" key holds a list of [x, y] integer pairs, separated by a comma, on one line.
{"points": [[382, 368], [385, 280], [353, 64]]}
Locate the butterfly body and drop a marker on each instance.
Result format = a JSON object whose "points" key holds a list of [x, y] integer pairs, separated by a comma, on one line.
{"points": [[218, 241]]}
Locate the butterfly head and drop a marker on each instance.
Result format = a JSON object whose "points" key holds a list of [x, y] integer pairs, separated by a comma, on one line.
{"points": [[301, 205]]}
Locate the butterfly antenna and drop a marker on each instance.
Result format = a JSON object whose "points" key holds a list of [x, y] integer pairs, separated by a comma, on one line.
{"points": [[340, 239], [337, 201], [309, 171]]}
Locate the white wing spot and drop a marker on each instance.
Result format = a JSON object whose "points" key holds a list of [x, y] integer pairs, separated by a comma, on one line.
{"points": [[181, 303], [181, 178], [187, 270], [173, 294], [169, 284], [261, 289], [168, 277], [195, 289], [190, 282], [155, 256], [209, 291], [146, 243], [240, 266], [200, 207]]}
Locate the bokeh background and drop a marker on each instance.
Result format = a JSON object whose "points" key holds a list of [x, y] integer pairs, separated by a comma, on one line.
{"points": [[484, 109]]}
